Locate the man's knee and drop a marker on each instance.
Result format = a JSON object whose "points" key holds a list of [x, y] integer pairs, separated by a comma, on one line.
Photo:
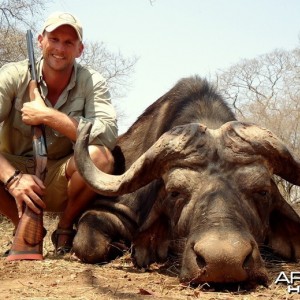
{"points": [[102, 158]]}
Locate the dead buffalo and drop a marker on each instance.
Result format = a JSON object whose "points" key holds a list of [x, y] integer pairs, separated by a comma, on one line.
{"points": [[196, 183]]}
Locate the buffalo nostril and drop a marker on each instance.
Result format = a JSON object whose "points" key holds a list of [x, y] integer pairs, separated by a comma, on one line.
{"points": [[200, 261], [248, 261]]}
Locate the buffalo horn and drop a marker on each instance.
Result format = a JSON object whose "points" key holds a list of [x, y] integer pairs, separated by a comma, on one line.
{"points": [[265, 143], [174, 145]]}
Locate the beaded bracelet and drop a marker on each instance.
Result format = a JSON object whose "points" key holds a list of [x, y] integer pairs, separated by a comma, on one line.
{"points": [[11, 179]]}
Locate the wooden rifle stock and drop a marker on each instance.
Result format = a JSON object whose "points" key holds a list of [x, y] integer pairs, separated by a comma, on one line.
{"points": [[28, 240]]}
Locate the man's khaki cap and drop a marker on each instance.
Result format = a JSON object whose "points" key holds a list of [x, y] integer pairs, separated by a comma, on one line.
{"points": [[58, 19]]}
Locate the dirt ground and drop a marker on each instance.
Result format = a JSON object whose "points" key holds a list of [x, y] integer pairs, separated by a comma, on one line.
{"points": [[66, 278]]}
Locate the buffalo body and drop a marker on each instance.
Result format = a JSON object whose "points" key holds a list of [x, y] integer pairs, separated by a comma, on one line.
{"points": [[191, 181]]}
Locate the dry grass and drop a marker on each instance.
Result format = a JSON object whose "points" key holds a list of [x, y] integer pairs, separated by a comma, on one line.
{"points": [[67, 278]]}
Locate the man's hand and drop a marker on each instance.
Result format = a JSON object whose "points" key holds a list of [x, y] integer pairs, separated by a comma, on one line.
{"points": [[28, 189], [34, 112]]}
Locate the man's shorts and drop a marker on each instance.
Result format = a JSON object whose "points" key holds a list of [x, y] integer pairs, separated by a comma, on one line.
{"points": [[56, 181]]}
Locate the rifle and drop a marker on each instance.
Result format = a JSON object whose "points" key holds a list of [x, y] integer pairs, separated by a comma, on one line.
{"points": [[28, 240]]}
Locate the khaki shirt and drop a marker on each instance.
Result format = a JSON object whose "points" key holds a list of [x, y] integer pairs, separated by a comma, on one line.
{"points": [[86, 98]]}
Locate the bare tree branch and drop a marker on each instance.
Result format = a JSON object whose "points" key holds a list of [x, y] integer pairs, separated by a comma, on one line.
{"points": [[15, 15], [114, 66], [266, 90]]}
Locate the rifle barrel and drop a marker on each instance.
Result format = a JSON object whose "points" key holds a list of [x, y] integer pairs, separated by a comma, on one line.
{"points": [[31, 58]]}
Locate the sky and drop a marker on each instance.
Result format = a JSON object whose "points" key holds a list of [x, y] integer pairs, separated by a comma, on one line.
{"points": [[180, 38]]}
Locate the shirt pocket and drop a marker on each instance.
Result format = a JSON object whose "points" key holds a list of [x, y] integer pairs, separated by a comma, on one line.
{"points": [[75, 108], [17, 122]]}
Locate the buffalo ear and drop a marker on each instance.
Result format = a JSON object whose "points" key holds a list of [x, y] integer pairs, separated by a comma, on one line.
{"points": [[284, 228]]}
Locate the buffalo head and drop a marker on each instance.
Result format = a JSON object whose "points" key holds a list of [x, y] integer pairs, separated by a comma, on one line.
{"points": [[218, 199]]}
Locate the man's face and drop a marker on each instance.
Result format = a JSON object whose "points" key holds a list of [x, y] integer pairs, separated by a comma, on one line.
{"points": [[60, 48]]}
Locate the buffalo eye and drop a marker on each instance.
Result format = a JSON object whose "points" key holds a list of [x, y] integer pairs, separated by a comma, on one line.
{"points": [[174, 194], [263, 193]]}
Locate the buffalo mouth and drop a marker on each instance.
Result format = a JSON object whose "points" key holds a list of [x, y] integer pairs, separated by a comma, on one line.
{"points": [[253, 280]]}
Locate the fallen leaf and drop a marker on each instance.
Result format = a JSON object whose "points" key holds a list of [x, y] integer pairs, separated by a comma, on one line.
{"points": [[144, 292]]}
